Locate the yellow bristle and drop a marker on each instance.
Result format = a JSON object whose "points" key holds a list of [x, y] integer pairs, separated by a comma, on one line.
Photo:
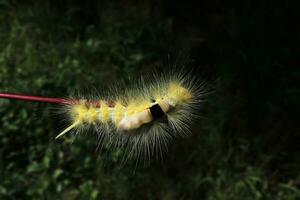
{"points": [[157, 96], [141, 107], [91, 115], [131, 109], [76, 123], [119, 112], [178, 93], [104, 109], [79, 112]]}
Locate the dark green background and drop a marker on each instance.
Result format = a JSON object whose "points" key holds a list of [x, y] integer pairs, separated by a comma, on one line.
{"points": [[246, 146]]}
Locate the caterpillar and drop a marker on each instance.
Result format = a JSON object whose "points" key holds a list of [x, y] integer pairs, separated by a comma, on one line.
{"points": [[141, 119]]}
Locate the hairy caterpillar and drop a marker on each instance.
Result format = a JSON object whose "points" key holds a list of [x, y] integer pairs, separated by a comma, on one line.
{"points": [[142, 120]]}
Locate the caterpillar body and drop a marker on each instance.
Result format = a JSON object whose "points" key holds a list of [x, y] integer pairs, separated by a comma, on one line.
{"points": [[143, 119]]}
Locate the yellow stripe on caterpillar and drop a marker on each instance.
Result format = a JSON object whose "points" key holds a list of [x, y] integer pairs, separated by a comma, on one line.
{"points": [[119, 112], [104, 112]]}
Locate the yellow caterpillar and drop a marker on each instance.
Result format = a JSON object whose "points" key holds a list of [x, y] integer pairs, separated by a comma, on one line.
{"points": [[139, 120], [143, 118]]}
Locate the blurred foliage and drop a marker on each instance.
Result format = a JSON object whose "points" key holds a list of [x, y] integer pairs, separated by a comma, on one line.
{"points": [[246, 145]]}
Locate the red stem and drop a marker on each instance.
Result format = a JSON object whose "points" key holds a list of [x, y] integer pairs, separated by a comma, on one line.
{"points": [[35, 98]]}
